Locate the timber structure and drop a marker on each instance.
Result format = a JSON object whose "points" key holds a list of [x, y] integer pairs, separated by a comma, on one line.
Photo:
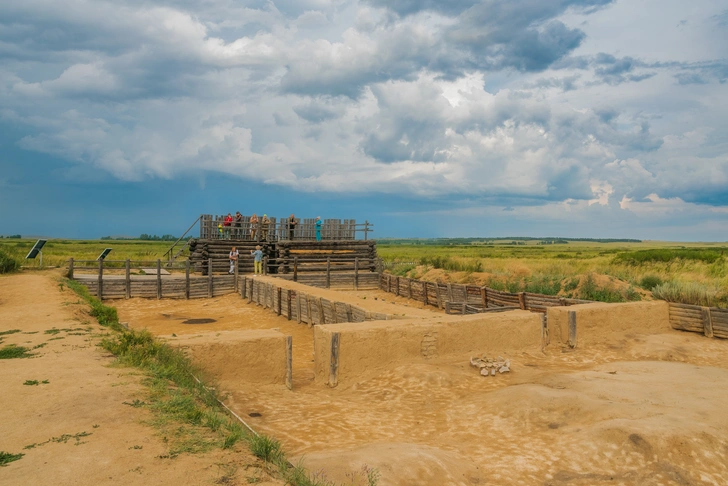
{"points": [[335, 246]]}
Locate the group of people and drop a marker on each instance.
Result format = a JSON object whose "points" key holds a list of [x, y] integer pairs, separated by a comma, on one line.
{"points": [[257, 259], [233, 226]]}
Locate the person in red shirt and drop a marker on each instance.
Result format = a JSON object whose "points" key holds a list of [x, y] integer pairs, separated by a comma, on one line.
{"points": [[226, 225]]}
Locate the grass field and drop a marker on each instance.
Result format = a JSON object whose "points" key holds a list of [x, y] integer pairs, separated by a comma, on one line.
{"points": [[605, 271]]}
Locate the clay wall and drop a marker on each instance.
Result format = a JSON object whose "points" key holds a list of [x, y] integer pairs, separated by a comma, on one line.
{"points": [[371, 346], [599, 322], [254, 356]]}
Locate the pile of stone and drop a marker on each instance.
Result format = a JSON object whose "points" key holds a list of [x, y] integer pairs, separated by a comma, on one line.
{"points": [[489, 366]]}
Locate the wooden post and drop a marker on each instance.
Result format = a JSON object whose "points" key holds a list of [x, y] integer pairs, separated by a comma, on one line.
{"points": [[70, 268], [100, 290], [572, 329], [265, 265], [707, 321], [409, 288], [334, 363], [209, 277], [389, 284], [298, 307], [309, 315], [187, 279], [425, 299], [484, 297], [356, 273], [236, 273], [437, 292], [522, 300], [328, 272], [243, 284], [366, 229], [449, 293], [396, 292], [127, 279], [159, 278], [279, 301], [252, 289], [289, 305], [295, 269], [289, 362]]}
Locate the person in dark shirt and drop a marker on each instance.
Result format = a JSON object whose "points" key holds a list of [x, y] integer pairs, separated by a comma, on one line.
{"points": [[292, 222]]}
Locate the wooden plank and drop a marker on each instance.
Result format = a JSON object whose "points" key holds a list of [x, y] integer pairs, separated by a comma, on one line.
{"points": [[278, 291], [100, 286]]}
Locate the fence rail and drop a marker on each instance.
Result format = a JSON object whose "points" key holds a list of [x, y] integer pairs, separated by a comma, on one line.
{"points": [[466, 299]]}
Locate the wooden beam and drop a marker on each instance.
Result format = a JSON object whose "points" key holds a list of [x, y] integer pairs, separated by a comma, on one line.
{"points": [[289, 304], [70, 268], [187, 279], [280, 290]]}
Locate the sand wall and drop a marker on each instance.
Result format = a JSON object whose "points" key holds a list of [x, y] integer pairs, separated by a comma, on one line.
{"points": [[371, 346], [596, 323], [255, 356]]}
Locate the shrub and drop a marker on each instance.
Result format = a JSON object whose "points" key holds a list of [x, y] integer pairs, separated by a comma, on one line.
{"points": [[667, 255], [649, 282], [685, 293], [7, 263]]}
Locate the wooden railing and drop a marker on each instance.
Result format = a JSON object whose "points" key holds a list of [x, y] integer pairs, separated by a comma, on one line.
{"points": [[277, 229]]}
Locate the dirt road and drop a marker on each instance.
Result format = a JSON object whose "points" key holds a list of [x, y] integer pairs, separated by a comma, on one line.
{"points": [[75, 425]]}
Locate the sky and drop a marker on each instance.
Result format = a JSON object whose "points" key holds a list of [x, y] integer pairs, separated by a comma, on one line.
{"points": [[465, 118]]}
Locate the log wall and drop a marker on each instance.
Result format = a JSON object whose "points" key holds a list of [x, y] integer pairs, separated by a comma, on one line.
{"points": [[709, 321], [301, 307]]}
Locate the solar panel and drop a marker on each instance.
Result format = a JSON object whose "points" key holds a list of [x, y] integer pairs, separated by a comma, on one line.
{"points": [[104, 253], [36, 249]]}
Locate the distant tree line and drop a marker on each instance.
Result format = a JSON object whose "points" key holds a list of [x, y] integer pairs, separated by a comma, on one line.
{"points": [[512, 240], [146, 237], [11, 236]]}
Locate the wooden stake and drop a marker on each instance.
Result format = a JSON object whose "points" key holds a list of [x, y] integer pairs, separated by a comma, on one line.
{"points": [[127, 279], [159, 279], [187, 279], [707, 321]]}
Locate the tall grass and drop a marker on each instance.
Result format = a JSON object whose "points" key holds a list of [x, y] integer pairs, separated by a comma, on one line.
{"points": [[688, 293], [8, 263]]}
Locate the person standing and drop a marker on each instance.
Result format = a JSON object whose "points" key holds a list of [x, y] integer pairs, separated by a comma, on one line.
{"points": [[264, 223], [318, 228], [291, 226], [233, 258], [257, 260], [227, 225], [253, 226], [238, 225]]}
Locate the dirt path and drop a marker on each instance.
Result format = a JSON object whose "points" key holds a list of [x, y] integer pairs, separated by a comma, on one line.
{"points": [[645, 409], [83, 432]]}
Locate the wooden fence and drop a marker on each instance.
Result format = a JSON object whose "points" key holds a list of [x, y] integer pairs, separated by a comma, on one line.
{"points": [[469, 299], [709, 321], [302, 307]]}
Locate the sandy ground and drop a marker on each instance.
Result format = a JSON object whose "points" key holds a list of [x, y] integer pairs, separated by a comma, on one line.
{"points": [[636, 410], [83, 431]]}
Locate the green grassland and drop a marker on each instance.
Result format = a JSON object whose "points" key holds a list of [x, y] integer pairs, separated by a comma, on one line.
{"points": [[596, 270]]}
